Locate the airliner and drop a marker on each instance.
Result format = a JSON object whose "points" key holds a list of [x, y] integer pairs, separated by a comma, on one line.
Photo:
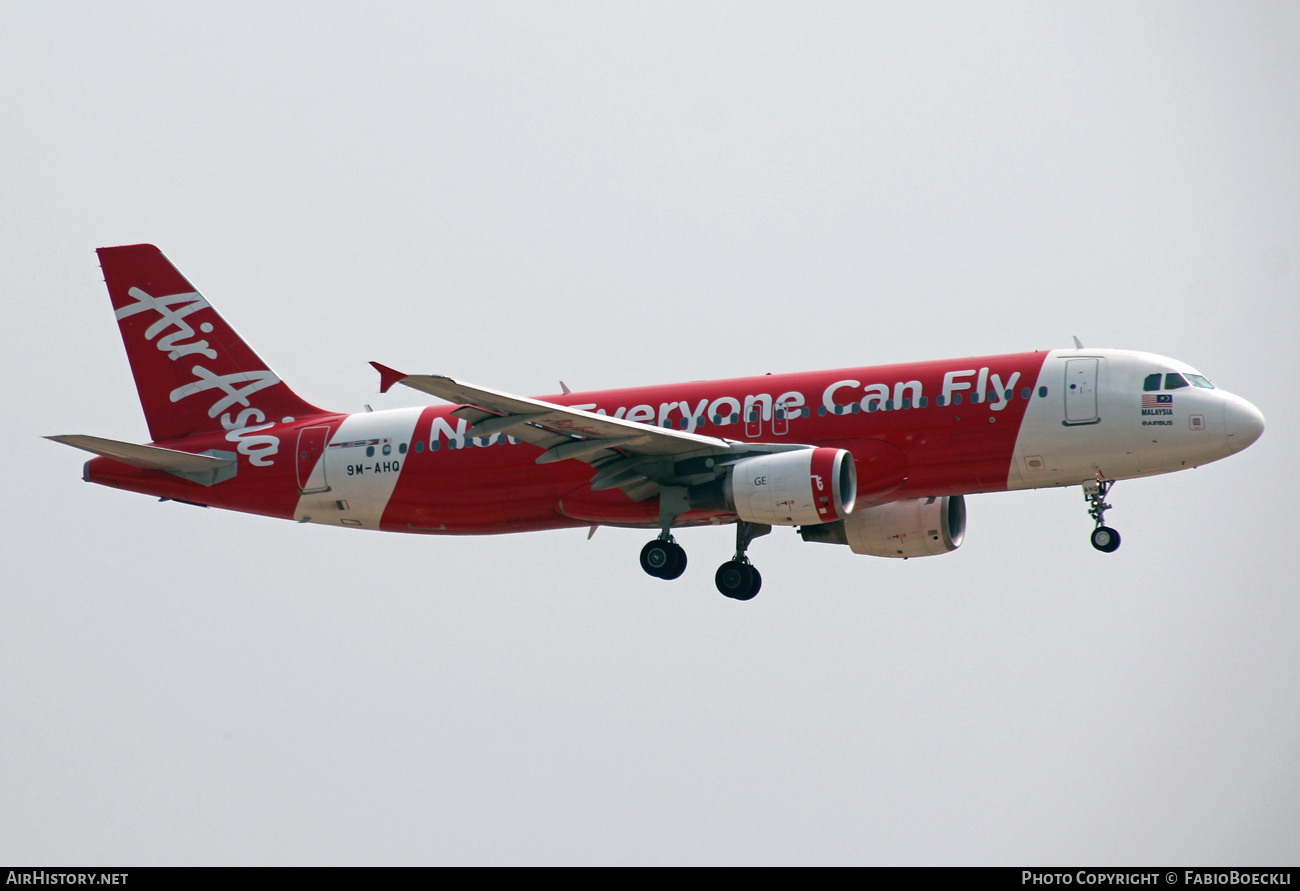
{"points": [[877, 459]]}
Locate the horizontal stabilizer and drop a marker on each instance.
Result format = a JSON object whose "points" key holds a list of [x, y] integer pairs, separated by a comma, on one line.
{"points": [[146, 457]]}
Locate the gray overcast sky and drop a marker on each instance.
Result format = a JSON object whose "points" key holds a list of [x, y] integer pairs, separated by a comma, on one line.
{"points": [[621, 194]]}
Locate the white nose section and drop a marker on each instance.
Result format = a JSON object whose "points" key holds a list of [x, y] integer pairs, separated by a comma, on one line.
{"points": [[1242, 422]]}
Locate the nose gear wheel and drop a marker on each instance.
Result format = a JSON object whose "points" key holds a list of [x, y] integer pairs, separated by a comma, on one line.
{"points": [[1104, 538]]}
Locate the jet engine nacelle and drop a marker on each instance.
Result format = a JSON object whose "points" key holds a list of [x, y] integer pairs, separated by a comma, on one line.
{"points": [[803, 487], [913, 527]]}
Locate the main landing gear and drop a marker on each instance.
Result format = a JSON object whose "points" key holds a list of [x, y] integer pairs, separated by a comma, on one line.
{"points": [[1104, 538], [664, 558], [738, 578]]}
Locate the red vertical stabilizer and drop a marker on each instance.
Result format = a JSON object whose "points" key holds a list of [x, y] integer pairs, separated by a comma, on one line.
{"points": [[193, 372]]}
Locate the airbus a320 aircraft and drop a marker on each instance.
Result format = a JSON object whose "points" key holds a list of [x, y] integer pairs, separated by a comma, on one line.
{"points": [[877, 459]]}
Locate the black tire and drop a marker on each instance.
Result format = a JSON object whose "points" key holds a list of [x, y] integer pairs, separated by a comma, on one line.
{"points": [[737, 580], [678, 564], [751, 591], [656, 557], [1105, 539]]}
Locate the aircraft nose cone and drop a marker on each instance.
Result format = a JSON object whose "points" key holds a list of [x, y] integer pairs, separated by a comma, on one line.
{"points": [[1242, 422]]}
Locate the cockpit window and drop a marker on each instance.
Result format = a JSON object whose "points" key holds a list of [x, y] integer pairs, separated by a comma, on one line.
{"points": [[1151, 382], [1199, 381], [1174, 382]]}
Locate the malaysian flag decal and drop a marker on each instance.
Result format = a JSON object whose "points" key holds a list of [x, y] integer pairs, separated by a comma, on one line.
{"points": [[1157, 400]]}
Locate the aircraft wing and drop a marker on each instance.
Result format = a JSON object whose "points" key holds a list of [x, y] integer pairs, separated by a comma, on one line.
{"points": [[637, 458]]}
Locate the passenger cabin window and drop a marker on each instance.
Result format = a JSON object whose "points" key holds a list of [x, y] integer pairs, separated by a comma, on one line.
{"points": [[1198, 381], [1174, 382], [1151, 382]]}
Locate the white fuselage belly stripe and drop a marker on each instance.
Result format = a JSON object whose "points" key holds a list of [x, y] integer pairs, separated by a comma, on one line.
{"points": [[362, 464]]}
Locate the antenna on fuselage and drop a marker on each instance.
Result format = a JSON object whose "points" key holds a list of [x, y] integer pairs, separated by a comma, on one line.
{"points": [[1077, 345]]}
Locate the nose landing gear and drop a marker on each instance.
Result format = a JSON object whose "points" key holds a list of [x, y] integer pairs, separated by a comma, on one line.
{"points": [[1103, 537]]}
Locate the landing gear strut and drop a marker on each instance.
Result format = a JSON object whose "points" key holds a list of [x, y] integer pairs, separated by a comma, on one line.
{"points": [[1104, 538], [737, 578], [663, 558]]}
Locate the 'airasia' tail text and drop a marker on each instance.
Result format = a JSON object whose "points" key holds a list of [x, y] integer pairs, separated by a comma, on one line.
{"points": [[193, 372]]}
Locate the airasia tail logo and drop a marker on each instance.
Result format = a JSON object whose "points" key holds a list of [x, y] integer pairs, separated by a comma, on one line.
{"points": [[243, 428]]}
